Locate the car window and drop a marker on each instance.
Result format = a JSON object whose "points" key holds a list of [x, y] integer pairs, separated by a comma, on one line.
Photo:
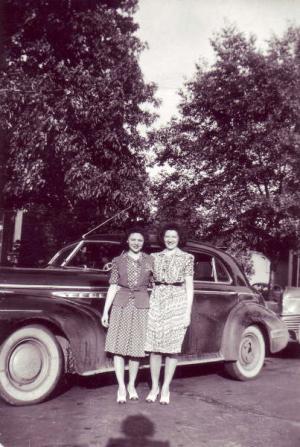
{"points": [[208, 268], [95, 255], [58, 259], [204, 270], [222, 274]]}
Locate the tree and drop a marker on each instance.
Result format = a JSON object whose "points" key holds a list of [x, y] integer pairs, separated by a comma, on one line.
{"points": [[72, 96], [233, 152]]}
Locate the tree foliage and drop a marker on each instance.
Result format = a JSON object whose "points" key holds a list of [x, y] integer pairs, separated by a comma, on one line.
{"points": [[72, 100], [233, 152]]}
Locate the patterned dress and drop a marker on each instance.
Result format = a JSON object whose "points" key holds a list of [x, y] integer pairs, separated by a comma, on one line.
{"points": [[127, 325], [168, 303]]}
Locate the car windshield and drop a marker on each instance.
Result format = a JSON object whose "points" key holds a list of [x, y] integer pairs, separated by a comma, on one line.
{"points": [[59, 258], [94, 255]]}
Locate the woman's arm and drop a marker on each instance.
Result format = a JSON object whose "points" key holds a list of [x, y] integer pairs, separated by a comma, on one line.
{"points": [[189, 287], [111, 293]]}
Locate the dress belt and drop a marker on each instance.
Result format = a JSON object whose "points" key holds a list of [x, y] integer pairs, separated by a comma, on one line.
{"points": [[134, 289], [161, 283]]}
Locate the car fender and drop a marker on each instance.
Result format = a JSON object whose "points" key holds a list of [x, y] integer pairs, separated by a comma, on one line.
{"points": [[77, 322], [245, 314]]}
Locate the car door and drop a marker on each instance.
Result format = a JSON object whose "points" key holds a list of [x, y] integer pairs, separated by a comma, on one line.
{"points": [[215, 295]]}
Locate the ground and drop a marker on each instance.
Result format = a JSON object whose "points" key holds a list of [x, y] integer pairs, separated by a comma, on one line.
{"points": [[206, 409]]}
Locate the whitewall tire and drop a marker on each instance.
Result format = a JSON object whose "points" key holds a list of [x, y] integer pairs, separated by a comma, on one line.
{"points": [[251, 355], [31, 364]]}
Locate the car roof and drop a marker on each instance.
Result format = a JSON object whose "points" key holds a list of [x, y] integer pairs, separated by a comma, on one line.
{"points": [[154, 245], [192, 243], [100, 237]]}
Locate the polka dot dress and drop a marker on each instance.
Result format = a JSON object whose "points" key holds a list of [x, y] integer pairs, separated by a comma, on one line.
{"points": [[127, 325]]}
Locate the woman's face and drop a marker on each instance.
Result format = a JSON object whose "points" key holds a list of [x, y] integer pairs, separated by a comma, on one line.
{"points": [[171, 239], [135, 242]]}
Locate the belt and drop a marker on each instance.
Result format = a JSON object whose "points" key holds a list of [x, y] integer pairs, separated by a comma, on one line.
{"points": [[134, 289], [161, 283]]}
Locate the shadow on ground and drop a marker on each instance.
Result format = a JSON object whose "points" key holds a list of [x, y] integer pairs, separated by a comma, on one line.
{"points": [[137, 431], [291, 351]]}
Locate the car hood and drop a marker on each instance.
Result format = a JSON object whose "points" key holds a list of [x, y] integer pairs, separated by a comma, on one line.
{"points": [[34, 277]]}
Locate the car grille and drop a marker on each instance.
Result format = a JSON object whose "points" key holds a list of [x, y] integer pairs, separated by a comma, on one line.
{"points": [[292, 322]]}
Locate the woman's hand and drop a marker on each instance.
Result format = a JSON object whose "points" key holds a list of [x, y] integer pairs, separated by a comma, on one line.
{"points": [[105, 320], [112, 290]]}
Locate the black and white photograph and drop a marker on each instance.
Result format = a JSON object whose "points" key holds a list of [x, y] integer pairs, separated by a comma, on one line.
{"points": [[149, 223]]}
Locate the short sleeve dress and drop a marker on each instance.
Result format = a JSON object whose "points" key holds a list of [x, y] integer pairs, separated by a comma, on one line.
{"points": [[127, 325], [168, 303]]}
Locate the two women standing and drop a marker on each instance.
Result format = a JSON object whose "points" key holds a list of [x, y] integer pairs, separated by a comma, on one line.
{"points": [[137, 326]]}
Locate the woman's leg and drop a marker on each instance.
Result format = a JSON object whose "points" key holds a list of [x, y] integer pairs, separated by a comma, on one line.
{"points": [[119, 364], [170, 367], [133, 370], [155, 365]]}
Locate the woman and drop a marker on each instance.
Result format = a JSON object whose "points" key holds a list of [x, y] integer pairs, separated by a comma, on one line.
{"points": [[170, 309], [129, 299]]}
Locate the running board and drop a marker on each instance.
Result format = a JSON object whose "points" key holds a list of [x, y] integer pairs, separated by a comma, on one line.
{"points": [[184, 360]]}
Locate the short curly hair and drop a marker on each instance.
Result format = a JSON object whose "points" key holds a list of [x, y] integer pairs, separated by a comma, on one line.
{"points": [[174, 227], [135, 229]]}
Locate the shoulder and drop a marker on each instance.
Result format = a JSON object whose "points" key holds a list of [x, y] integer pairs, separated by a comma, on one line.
{"points": [[156, 254], [148, 261], [190, 256], [146, 257], [187, 256], [118, 259]]}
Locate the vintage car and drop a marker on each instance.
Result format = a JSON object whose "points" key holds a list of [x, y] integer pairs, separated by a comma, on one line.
{"points": [[289, 309], [50, 318], [286, 304]]}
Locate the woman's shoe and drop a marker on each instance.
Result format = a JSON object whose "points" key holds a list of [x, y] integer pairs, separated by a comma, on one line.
{"points": [[133, 395], [165, 400], [152, 396], [121, 396]]}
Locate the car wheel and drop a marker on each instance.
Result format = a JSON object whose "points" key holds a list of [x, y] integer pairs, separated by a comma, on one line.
{"points": [[31, 365], [251, 355]]}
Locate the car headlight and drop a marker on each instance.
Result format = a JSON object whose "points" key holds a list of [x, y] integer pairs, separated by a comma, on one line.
{"points": [[69, 294], [291, 306]]}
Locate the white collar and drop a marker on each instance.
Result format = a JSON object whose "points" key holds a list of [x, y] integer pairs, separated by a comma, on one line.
{"points": [[176, 252]]}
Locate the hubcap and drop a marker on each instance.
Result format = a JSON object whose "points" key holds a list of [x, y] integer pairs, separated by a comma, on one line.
{"points": [[249, 351], [26, 362]]}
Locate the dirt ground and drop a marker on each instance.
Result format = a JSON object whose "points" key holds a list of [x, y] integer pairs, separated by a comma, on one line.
{"points": [[206, 409]]}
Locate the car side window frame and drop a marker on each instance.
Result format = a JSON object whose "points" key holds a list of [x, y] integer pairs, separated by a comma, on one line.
{"points": [[230, 281], [214, 269]]}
